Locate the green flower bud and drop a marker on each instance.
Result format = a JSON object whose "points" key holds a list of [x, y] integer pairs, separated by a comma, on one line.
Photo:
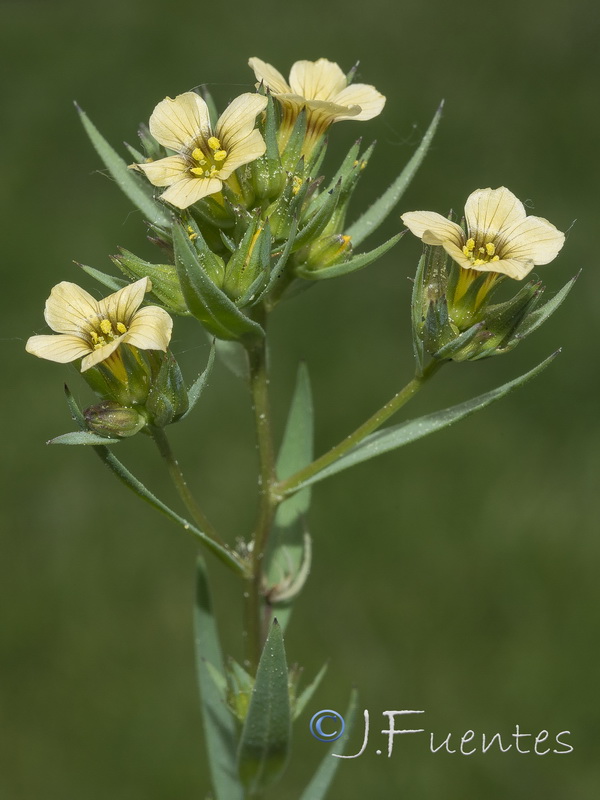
{"points": [[167, 398], [329, 250], [110, 419]]}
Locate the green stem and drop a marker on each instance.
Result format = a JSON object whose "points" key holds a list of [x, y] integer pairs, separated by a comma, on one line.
{"points": [[180, 483], [259, 386], [294, 482]]}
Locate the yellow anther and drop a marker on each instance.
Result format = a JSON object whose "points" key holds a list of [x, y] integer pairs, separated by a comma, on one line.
{"points": [[214, 143], [198, 171], [220, 155], [490, 248], [296, 184], [121, 328], [481, 250], [191, 234], [470, 245], [346, 239], [496, 258], [197, 154], [466, 251], [95, 337], [478, 262], [105, 326]]}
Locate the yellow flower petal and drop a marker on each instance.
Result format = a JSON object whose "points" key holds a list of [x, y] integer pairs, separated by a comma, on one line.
{"points": [[371, 101], [533, 239], [489, 211], [317, 80], [70, 309], [178, 123], [122, 305], [102, 353], [433, 228], [165, 171], [61, 348], [150, 330], [238, 119], [189, 190], [247, 150], [269, 75]]}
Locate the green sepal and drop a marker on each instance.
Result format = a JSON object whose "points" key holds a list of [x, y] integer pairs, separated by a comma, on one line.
{"points": [[212, 214], [165, 283], [417, 318], [137, 189], [168, 398], [268, 175], [265, 741], [82, 437], [112, 283], [352, 265], [247, 270], [238, 692], [293, 148], [396, 436], [318, 222], [378, 212], [152, 148], [195, 391], [460, 342], [134, 153], [438, 331], [207, 302], [322, 779], [536, 318]]}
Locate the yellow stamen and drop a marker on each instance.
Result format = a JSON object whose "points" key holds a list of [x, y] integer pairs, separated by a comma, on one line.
{"points": [[191, 234], [121, 327], [198, 155], [214, 143], [297, 183], [106, 327], [490, 248], [95, 337], [220, 155], [496, 258], [470, 245], [481, 250], [198, 171], [478, 262]]}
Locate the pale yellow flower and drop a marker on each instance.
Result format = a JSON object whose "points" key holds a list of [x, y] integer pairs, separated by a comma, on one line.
{"points": [[205, 159], [93, 329], [500, 237], [323, 90]]}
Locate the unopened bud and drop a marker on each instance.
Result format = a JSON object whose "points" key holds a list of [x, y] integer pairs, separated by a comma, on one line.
{"points": [[110, 419]]}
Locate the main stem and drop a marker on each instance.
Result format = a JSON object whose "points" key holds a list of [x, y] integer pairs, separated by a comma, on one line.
{"points": [[372, 424], [182, 487], [259, 387]]}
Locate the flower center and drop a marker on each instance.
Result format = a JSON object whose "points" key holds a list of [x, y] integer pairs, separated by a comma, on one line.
{"points": [[107, 333], [209, 159], [480, 254]]}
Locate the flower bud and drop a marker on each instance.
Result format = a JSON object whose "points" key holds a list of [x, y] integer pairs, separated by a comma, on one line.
{"points": [[110, 419], [168, 398], [329, 250]]}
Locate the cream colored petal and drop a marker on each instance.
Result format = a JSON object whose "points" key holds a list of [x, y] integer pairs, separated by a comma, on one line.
{"points": [[489, 211], [516, 268], [165, 171], [102, 353], [189, 190], [317, 80], [247, 150], [269, 76], [178, 123], [456, 254], [62, 348], [122, 305], [70, 309], [532, 239], [150, 329], [371, 101], [239, 118], [332, 112], [433, 228]]}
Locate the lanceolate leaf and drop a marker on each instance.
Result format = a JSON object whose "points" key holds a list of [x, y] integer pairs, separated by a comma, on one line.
{"points": [[352, 265], [219, 724], [198, 385], [377, 213], [83, 437], [399, 435], [114, 284], [265, 742], [533, 321], [136, 189], [322, 779]]}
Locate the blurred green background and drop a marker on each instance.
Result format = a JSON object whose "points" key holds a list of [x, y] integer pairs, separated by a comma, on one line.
{"points": [[459, 575]]}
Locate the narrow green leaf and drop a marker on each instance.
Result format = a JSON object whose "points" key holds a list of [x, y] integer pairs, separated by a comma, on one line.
{"points": [[82, 437], [533, 321], [205, 300], [306, 695], [112, 283], [352, 265], [399, 435], [416, 314], [289, 540], [265, 741], [198, 385], [138, 488], [323, 778], [377, 213], [134, 186], [219, 724]]}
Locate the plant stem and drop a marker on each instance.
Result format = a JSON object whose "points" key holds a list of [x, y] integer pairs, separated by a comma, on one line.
{"points": [[180, 483], [259, 386], [294, 482]]}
